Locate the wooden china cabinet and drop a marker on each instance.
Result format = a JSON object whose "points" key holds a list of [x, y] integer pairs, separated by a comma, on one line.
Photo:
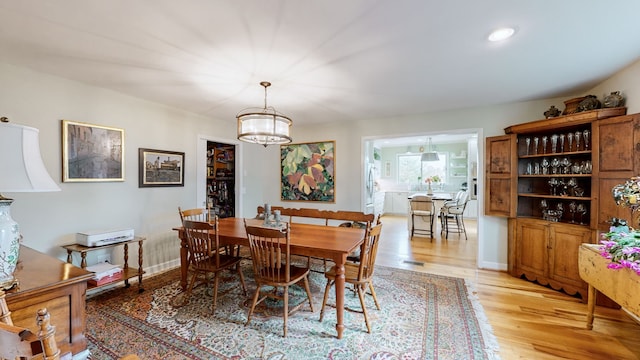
{"points": [[552, 179]]}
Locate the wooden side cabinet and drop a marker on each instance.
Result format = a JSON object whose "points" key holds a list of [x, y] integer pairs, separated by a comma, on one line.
{"points": [[60, 287]]}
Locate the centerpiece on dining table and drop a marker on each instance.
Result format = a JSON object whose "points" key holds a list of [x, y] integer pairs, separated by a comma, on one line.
{"points": [[272, 219], [431, 179]]}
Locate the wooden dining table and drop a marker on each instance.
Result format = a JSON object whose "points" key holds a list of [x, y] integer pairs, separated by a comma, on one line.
{"points": [[329, 242]]}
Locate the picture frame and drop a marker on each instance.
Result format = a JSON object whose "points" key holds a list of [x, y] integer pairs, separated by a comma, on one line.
{"points": [[160, 168], [92, 153], [307, 171]]}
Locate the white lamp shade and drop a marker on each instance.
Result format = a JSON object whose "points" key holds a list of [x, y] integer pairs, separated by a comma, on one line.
{"points": [[429, 156], [22, 167]]}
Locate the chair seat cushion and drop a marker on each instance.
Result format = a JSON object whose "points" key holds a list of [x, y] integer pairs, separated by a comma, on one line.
{"points": [[422, 212]]}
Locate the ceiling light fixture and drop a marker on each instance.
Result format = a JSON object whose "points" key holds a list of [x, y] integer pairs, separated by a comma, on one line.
{"points": [[263, 126], [501, 34], [430, 155]]}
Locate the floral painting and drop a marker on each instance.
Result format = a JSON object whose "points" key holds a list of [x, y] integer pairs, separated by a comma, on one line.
{"points": [[308, 171]]}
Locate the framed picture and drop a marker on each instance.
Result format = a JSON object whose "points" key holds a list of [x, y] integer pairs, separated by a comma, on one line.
{"points": [[308, 171], [91, 152], [160, 168]]}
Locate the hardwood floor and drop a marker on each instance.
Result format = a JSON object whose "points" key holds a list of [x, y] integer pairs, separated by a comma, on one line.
{"points": [[530, 321]]}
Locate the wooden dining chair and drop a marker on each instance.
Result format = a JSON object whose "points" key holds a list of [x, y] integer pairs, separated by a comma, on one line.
{"points": [[359, 274], [271, 256], [206, 256], [196, 214]]}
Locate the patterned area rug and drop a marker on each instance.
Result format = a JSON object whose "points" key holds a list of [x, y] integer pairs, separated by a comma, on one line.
{"points": [[422, 316]]}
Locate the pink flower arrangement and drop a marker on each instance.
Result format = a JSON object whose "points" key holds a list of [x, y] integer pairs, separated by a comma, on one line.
{"points": [[621, 246]]}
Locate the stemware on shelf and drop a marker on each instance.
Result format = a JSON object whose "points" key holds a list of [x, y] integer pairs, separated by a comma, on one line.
{"points": [[570, 141], [535, 145], [545, 166], [581, 210], [577, 135], [585, 136], [527, 141], [562, 142], [544, 144], [554, 143], [587, 167], [555, 165], [572, 211], [566, 165]]}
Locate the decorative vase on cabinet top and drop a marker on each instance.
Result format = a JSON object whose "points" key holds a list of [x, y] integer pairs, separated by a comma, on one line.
{"points": [[590, 102], [613, 100]]}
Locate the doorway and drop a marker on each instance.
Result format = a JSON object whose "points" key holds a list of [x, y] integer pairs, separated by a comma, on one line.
{"points": [[394, 181]]}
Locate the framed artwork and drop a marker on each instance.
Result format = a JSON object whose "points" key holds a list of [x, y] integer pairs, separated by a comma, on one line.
{"points": [[308, 171], [160, 168], [91, 152]]}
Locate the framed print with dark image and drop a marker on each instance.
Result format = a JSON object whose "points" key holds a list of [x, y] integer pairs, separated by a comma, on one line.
{"points": [[308, 172], [160, 168], [91, 153]]}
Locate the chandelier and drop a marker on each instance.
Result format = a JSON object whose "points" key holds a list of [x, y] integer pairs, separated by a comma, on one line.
{"points": [[263, 126], [430, 155]]}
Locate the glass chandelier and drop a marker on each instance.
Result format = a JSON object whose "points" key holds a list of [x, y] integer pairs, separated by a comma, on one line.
{"points": [[264, 126]]}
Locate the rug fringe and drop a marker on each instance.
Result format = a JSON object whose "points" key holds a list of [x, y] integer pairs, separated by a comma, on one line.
{"points": [[492, 348]]}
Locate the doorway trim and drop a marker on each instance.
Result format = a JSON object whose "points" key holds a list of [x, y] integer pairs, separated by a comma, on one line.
{"points": [[201, 170]]}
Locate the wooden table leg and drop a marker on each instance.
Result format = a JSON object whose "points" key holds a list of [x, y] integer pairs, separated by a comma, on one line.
{"points": [[184, 265], [339, 286], [591, 305]]}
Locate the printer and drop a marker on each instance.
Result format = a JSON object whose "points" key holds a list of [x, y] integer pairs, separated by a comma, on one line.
{"points": [[102, 237]]}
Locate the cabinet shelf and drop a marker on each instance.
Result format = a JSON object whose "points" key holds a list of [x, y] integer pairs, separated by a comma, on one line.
{"points": [[566, 153], [558, 197], [556, 176]]}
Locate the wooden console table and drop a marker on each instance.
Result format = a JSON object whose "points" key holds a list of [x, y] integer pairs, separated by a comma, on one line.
{"points": [[622, 285], [127, 272], [45, 281]]}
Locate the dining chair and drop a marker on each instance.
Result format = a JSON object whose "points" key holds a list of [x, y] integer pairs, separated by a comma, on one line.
{"points": [[196, 214], [422, 207], [359, 274], [452, 217], [271, 257], [207, 257]]}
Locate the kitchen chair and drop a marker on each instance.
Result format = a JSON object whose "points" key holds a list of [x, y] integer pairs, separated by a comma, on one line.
{"points": [[452, 216], [360, 274], [206, 257], [422, 206], [270, 253]]}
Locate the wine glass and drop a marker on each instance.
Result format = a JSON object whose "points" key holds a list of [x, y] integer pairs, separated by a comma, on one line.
{"points": [[554, 143], [585, 135], [577, 135], [553, 185], [582, 210], [535, 145], [544, 144], [570, 141], [566, 165], [545, 166], [587, 167], [561, 142], [572, 211], [527, 141], [543, 207], [555, 165]]}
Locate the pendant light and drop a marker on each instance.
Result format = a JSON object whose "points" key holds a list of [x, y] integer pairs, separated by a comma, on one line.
{"points": [[429, 155], [263, 126]]}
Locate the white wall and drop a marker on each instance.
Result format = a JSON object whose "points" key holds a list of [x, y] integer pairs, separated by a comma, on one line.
{"points": [[49, 220]]}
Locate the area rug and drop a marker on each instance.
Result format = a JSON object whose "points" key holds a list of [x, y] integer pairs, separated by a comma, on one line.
{"points": [[422, 316]]}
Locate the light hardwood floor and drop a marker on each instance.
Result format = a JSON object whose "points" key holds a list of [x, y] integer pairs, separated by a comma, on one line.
{"points": [[530, 321]]}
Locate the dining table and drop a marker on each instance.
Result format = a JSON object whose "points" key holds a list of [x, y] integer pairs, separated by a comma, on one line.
{"points": [[320, 241]]}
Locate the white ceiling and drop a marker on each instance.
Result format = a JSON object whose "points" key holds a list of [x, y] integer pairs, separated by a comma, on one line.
{"points": [[328, 60]]}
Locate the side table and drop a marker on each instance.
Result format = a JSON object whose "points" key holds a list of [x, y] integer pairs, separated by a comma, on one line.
{"points": [[127, 272]]}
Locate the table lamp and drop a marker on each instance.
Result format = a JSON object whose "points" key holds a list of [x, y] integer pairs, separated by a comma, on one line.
{"points": [[22, 171]]}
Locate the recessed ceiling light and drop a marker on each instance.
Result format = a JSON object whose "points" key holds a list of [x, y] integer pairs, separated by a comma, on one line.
{"points": [[501, 34]]}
